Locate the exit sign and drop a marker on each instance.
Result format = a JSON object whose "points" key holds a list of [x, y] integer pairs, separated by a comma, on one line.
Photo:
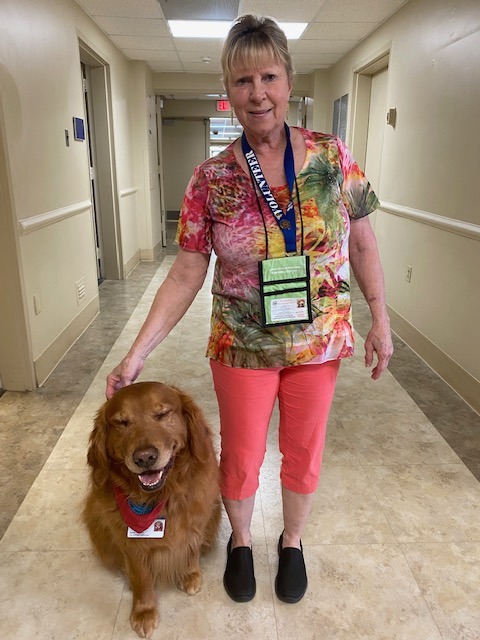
{"points": [[223, 105]]}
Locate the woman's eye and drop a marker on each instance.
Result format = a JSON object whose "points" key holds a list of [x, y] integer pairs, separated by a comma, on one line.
{"points": [[270, 77]]}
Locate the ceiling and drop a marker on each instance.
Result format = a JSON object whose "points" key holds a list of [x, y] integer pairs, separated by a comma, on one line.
{"points": [[140, 30]]}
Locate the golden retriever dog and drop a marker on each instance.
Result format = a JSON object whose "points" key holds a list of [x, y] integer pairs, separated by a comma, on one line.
{"points": [[154, 503]]}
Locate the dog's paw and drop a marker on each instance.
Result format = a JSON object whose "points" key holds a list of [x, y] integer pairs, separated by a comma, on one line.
{"points": [[144, 621], [191, 583]]}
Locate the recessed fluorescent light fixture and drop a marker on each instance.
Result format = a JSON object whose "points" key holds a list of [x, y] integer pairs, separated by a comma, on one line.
{"points": [[220, 28]]}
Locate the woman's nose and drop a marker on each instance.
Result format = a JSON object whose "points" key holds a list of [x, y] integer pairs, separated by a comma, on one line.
{"points": [[258, 92]]}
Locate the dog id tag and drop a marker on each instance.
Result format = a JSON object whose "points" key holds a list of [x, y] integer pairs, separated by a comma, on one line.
{"points": [[155, 530]]}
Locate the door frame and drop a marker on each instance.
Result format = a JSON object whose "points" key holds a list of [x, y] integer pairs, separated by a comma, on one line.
{"points": [[362, 85], [106, 209]]}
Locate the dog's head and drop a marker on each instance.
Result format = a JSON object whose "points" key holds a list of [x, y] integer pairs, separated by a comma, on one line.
{"points": [[141, 433]]}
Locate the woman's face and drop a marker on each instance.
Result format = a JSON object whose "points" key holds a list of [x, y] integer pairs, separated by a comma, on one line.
{"points": [[260, 98]]}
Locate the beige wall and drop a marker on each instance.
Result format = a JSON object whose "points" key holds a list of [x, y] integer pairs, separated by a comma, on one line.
{"points": [[429, 179], [49, 200]]}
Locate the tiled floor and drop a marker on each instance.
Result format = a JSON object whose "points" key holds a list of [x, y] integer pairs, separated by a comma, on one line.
{"points": [[392, 547]]}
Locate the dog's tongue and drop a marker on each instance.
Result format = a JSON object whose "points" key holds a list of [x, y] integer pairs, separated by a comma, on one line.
{"points": [[151, 478]]}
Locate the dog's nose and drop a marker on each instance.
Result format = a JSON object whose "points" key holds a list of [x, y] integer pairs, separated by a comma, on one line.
{"points": [[145, 458]]}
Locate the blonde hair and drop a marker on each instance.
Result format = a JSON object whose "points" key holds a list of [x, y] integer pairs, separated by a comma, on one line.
{"points": [[250, 40]]}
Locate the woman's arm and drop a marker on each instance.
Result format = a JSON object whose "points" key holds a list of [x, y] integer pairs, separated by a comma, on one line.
{"points": [[172, 300], [369, 275]]}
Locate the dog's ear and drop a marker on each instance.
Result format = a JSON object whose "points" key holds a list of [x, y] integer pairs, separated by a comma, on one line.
{"points": [[199, 434], [97, 451]]}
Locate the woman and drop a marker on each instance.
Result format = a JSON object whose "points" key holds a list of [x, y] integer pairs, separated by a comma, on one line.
{"points": [[285, 210]]}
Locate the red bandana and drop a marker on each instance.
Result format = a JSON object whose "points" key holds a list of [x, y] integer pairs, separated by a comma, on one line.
{"points": [[139, 522]]}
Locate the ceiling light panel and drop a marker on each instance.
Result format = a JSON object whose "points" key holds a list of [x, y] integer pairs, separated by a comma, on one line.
{"points": [[199, 28]]}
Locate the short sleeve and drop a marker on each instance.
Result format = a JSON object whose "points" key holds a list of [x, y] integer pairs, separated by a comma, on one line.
{"points": [[357, 193], [194, 230]]}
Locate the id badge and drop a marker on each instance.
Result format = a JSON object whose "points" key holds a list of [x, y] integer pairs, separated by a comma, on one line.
{"points": [[285, 290], [155, 530]]}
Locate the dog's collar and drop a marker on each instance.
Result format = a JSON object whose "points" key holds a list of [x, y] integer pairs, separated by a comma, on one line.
{"points": [[137, 516]]}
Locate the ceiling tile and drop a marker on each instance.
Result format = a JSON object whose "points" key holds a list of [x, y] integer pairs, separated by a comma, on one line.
{"points": [[283, 10], [139, 29], [196, 56], [165, 67], [133, 26], [147, 43], [122, 8], [199, 9], [200, 67], [358, 10], [315, 59], [207, 46], [143, 54], [338, 30], [322, 46]]}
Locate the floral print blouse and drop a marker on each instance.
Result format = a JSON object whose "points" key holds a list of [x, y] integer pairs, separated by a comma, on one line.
{"points": [[220, 213]]}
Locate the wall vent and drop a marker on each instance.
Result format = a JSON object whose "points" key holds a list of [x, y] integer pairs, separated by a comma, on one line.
{"points": [[80, 290]]}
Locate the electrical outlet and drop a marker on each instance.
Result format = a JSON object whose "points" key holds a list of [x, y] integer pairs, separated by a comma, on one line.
{"points": [[408, 273]]}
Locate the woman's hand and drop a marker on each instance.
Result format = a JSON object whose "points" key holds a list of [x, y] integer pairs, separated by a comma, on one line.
{"points": [[379, 342], [124, 374]]}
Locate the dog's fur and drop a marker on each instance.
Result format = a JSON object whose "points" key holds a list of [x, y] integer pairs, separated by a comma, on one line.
{"points": [[138, 432]]}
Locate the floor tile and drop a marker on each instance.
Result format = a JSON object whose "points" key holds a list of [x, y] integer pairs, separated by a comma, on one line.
{"points": [[50, 516], [396, 438], [361, 592], [449, 578], [429, 503], [55, 595]]}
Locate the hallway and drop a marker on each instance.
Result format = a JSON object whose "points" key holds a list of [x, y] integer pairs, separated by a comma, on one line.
{"points": [[392, 548]]}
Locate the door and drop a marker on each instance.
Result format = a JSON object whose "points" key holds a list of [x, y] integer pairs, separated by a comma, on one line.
{"points": [[185, 145], [376, 130]]}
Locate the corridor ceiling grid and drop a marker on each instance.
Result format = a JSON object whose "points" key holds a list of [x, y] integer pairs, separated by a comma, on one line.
{"points": [[139, 28]]}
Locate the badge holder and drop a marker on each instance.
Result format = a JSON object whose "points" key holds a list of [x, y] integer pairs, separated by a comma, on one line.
{"points": [[285, 290]]}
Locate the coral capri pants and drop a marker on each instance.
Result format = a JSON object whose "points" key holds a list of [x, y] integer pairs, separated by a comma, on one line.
{"points": [[246, 398]]}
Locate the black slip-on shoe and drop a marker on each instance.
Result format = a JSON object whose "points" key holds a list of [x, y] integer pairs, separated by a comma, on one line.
{"points": [[291, 581], [239, 577]]}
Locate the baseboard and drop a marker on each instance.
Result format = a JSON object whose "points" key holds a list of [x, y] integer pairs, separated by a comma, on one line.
{"points": [[130, 265], [450, 371], [149, 255], [49, 359]]}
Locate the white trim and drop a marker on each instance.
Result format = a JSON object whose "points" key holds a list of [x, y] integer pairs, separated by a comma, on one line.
{"points": [[27, 225], [127, 192], [467, 229]]}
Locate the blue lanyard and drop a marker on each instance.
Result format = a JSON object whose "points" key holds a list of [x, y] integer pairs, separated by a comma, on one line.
{"points": [[285, 220]]}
